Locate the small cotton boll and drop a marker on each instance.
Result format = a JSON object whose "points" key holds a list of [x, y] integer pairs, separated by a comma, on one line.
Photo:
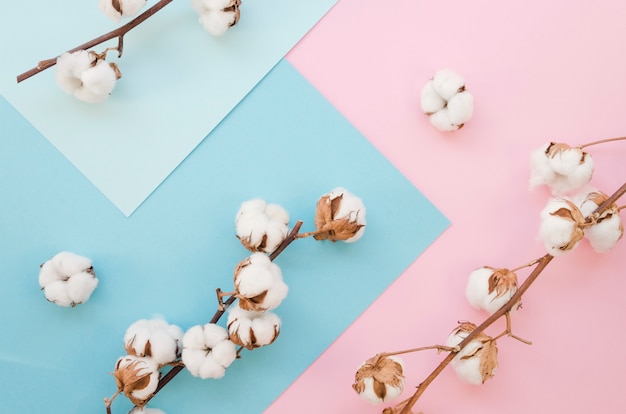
{"points": [[430, 101], [561, 226], [137, 378], [56, 292], [442, 121], [461, 108], [69, 68], [477, 361], [217, 22], [80, 287], [210, 356], [340, 215], [447, 83], [380, 379], [604, 235], [490, 289]]}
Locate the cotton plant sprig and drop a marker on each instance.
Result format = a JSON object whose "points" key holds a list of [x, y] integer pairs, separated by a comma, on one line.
{"points": [[207, 350], [472, 353], [87, 75]]}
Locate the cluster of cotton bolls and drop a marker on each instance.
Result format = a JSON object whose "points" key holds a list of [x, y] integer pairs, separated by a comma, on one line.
{"points": [[568, 218], [564, 223], [86, 75], [446, 101], [478, 360], [150, 344], [217, 16], [67, 279]]}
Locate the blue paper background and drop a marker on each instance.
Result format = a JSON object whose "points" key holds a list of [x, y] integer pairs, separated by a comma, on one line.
{"points": [[284, 143], [178, 82]]}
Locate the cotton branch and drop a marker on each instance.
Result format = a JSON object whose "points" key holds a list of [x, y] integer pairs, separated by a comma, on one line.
{"points": [[504, 310], [223, 306], [117, 33]]}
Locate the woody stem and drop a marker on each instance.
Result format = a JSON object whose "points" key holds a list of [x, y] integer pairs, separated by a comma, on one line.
{"points": [[602, 141], [117, 33], [504, 310], [423, 348]]}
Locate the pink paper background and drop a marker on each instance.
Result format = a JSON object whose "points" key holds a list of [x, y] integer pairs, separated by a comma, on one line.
{"points": [[539, 71]]}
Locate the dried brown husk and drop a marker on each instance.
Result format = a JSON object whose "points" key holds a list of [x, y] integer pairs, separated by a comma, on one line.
{"points": [[383, 371], [555, 148], [130, 348], [132, 377], [329, 228], [258, 247], [501, 281], [233, 7], [487, 351], [574, 215]]}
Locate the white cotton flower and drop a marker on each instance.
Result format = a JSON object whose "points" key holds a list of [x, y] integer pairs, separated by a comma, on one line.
{"points": [[380, 379], [207, 351], [608, 228], [562, 168], [478, 360], [259, 283], [217, 16], [561, 226], [490, 289], [340, 215], [67, 279], [116, 9], [446, 101], [85, 76], [261, 227], [252, 329], [137, 377], [154, 338]]}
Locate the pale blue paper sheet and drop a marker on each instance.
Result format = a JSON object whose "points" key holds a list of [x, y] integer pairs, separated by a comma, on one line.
{"points": [[284, 143], [178, 82]]}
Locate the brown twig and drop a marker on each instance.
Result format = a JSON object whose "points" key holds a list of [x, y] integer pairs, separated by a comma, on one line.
{"points": [[117, 33], [602, 141], [504, 310]]}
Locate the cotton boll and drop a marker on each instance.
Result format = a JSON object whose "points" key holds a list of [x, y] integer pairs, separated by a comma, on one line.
{"points": [[259, 283], [477, 361], [560, 227], [137, 378], [468, 370], [154, 338], [80, 287], [340, 215], [604, 235], [490, 289], [57, 293], [69, 68], [430, 101], [564, 169], [461, 108], [447, 83], [380, 379], [252, 329], [261, 227], [207, 351]]}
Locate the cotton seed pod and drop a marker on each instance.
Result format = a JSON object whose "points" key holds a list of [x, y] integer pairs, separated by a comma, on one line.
{"points": [[137, 378], [261, 227], [380, 379], [562, 168], [207, 351], [217, 16], [116, 9], [86, 75], [562, 226], [607, 228], [154, 338], [252, 329], [340, 215], [489, 288], [478, 360], [446, 101], [67, 279], [259, 283]]}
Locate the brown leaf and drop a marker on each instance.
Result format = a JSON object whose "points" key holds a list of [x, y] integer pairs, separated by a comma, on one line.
{"points": [[254, 303], [488, 359], [502, 281], [117, 5], [383, 371], [132, 377]]}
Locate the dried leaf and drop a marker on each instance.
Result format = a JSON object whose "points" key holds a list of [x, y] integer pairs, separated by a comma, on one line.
{"points": [[502, 281], [383, 371], [488, 359], [132, 377], [117, 5]]}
